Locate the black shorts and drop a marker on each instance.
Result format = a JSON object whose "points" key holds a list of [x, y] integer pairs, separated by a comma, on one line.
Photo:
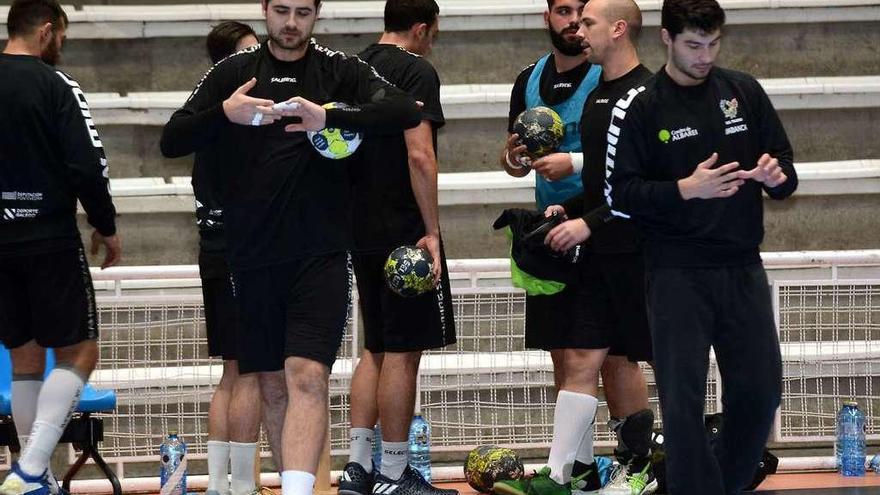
{"points": [[393, 323], [294, 309], [221, 312], [611, 309], [550, 319], [47, 297]]}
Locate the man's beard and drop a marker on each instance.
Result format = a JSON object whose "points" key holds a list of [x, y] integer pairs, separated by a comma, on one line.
{"points": [[565, 47], [52, 54], [297, 44]]}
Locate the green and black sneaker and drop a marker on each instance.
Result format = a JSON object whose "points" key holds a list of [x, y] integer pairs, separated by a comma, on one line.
{"points": [[585, 479], [539, 484]]}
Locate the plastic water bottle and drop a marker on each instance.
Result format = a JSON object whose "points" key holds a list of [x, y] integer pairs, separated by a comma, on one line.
{"points": [[172, 474], [420, 446], [377, 446], [851, 439]]}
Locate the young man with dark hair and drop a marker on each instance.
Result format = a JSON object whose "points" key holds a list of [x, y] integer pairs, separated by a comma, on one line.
{"points": [[395, 190], [227, 38], [287, 209], [695, 148], [612, 325], [50, 157], [234, 415]]}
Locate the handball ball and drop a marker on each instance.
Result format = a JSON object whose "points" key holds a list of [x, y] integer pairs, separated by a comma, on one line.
{"points": [[489, 463], [540, 129], [335, 143], [408, 271]]}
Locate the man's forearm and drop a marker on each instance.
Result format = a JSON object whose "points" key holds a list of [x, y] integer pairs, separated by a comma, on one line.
{"points": [[423, 178]]}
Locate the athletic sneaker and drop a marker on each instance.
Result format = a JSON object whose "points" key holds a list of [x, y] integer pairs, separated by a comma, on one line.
{"points": [[18, 482], [55, 487], [624, 483], [585, 479], [355, 480], [410, 483], [539, 484]]}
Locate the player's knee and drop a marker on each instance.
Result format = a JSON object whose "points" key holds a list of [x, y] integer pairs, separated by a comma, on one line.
{"points": [[306, 377], [29, 359], [582, 365], [273, 389], [82, 356], [402, 361]]}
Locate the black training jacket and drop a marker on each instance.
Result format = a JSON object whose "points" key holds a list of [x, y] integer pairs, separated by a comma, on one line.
{"points": [[50, 156], [282, 200], [660, 131]]}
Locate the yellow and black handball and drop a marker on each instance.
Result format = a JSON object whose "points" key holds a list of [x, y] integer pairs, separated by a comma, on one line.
{"points": [[490, 463], [408, 271], [540, 129]]}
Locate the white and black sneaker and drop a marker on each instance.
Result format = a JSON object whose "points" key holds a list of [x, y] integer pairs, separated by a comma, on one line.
{"points": [[410, 483], [355, 480]]}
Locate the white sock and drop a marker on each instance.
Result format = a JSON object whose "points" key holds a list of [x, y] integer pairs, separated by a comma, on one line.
{"points": [[57, 400], [394, 457], [25, 393], [572, 417], [218, 466], [585, 449], [297, 483], [241, 458], [361, 448]]}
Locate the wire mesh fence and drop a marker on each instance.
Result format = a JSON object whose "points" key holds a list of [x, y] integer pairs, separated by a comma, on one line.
{"points": [[486, 388]]}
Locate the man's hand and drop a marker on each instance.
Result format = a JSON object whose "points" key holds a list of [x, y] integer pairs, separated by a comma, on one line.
{"points": [[707, 182], [514, 153], [113, 245], [431, 242], [554, 166], [567, 235], [767, 172], [245, 110], [314, 116], [554, 208]]}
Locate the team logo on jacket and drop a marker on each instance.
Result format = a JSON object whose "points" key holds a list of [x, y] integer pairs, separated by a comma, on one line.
{"points": [[729, 108], [733, 124], [665, 135]]}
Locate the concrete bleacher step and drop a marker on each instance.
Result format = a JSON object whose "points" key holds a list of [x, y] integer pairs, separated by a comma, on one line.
{"points": [[483, 101], [183, 19], [835, 209], [827, 118], [161, 48]]}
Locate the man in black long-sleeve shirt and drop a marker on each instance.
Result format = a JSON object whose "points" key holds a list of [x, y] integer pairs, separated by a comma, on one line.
{"points": [[287, 209], [50, 156], [612, 324], [690, 153]]}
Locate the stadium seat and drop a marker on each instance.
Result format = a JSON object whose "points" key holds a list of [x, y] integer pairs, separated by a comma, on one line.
{"points": [[83, 430]]}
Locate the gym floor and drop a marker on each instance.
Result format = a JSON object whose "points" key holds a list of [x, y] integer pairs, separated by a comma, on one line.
{"points": [[784, 484]]}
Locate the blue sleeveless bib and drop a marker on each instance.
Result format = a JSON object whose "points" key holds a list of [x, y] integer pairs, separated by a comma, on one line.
{"points": [[555, 192]]}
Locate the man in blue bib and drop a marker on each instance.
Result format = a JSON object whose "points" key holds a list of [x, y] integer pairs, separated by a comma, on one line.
{"points": [[561, 80]]}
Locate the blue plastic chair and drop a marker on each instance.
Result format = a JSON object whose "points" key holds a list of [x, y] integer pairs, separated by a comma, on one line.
{"points": [[83, 430]]}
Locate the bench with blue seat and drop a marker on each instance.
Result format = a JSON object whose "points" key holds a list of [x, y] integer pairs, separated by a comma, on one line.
{"points": [[84, 431]]}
